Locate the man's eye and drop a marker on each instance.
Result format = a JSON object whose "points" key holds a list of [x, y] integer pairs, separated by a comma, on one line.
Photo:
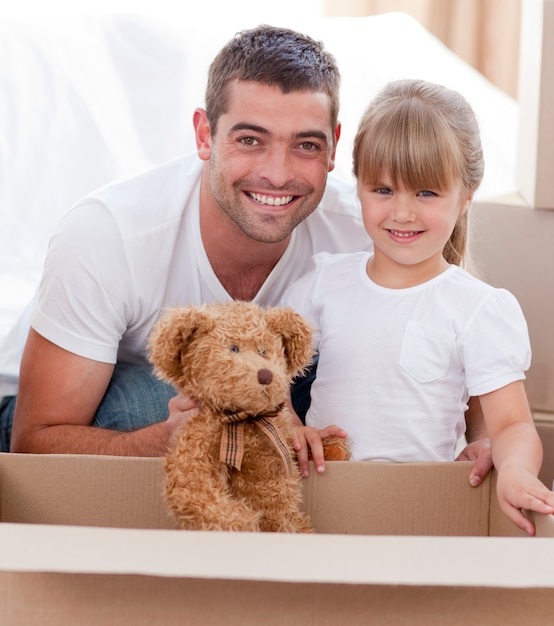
{"points": [[249, 141], [309, 146]]}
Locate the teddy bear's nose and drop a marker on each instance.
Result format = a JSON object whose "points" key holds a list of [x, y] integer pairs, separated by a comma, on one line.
{"points": [[265, 376]]}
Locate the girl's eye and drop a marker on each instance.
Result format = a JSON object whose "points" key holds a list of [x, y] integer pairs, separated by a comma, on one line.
{"points": [[383, 190], [234, 349], [426, 193]]}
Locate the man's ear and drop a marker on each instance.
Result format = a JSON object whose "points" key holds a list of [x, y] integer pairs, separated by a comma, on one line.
{"points": [[202, 133], [334, 150]]}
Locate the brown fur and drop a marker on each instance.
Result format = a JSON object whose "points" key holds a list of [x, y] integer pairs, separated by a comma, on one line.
{"points": [[191, 347]]}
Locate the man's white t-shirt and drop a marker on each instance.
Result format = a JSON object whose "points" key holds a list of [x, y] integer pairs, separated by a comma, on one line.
{"points": [[133, 248], [397, 366]]}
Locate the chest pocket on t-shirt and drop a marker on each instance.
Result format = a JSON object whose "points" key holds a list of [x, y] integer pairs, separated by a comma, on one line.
{"points": [[425, 353]]}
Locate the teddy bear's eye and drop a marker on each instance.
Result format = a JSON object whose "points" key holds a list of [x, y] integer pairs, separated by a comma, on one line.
{"points": [[234, 349], [261, 351]]}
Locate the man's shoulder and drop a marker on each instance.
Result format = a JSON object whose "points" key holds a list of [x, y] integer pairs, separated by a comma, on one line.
{"points": [[150, 198], [340, 199], [175, 173]]}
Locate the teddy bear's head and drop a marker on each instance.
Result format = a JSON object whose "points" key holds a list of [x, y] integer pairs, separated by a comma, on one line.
{"points": [[231, 356]]}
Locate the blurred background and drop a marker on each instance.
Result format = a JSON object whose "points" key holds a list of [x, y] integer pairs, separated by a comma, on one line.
{"points": [[484, 33]]}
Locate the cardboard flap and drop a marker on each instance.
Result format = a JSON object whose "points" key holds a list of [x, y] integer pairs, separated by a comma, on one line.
{"points": [[546, 433], [278, 557], [82, 490], [544, 524], [397, 499]]}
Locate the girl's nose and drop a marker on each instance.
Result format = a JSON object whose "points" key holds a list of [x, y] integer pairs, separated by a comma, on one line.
{"points": [[403, 210]]}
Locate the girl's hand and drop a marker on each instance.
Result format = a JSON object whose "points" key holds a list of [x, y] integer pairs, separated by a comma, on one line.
{"points": [[479, 451], [181, 410], [308, 441], [518, 489]]}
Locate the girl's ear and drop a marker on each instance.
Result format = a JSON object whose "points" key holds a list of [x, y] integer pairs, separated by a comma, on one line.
{"points": [[466, 203]]}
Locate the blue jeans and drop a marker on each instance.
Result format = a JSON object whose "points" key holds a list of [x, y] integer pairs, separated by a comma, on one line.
{"points": [[136, 398], [7, 406]]}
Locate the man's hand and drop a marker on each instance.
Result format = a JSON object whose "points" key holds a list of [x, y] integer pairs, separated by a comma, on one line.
{"points": [[181, 410], [480, 452], [310, 441]]}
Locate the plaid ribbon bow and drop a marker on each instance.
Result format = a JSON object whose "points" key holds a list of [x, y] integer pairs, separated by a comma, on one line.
{"points": [[231, 450]]}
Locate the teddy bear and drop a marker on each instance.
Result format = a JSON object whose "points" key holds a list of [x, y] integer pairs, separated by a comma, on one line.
{"points": [[233, 467]]}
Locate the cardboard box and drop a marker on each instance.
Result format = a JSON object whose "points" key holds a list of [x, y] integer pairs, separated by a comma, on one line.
{"points": [[87, 540], [545, 428]]}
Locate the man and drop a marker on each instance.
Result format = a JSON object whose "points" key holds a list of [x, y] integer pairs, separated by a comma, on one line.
{"points": [[240, 219]]}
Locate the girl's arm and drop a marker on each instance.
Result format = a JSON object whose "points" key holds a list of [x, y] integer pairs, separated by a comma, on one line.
{"points": [[478, 447], [516, 453]]}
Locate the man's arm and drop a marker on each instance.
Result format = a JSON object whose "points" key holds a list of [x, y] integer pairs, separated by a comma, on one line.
{"points": [[59, 394]]}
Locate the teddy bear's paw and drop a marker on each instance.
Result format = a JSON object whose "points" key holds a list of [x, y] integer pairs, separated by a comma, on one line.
{"points": [[304, 525], [245, 523], [294, 523]]}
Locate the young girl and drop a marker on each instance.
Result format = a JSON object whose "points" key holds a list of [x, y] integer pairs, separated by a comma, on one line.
{"points": [[405, 335]]}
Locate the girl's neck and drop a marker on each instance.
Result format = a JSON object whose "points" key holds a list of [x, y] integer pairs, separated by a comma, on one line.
{"points": [[387, 273]]}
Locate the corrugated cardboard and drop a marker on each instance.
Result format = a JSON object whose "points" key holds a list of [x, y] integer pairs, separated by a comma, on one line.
{"points": [[87, 540], [545, 427]]}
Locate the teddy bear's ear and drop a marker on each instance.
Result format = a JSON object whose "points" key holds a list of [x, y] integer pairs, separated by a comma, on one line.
{"points": [[296, 334], [170, 338]]}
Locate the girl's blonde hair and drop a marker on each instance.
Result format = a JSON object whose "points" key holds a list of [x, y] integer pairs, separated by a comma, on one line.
{"points": [[423, 136]]}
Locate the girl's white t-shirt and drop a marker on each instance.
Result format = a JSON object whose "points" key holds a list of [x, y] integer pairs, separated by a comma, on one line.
{"points": [[397, 366]]}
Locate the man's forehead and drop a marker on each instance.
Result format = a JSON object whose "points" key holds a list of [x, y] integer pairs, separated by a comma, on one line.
{"points": [[263, 108]]}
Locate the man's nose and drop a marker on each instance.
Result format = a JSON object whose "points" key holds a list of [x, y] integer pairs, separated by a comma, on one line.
{"points": [[278, 168]]}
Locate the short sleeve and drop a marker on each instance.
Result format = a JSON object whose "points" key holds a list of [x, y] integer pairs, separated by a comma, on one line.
{"points": [[81, 300], [496, 350]]}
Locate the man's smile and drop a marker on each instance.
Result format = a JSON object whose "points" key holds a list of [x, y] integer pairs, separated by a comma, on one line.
{"points": [[270, 200]]}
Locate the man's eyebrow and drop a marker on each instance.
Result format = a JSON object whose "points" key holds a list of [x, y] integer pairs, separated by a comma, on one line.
{"points": [[252, 127], [312, 134], [305, 134]]}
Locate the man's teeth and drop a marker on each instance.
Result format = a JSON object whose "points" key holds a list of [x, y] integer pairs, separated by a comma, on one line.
{"points": [[271, 200]]}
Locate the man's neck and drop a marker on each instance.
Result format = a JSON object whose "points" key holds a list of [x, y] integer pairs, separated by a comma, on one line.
{"points": [[241, 264]]}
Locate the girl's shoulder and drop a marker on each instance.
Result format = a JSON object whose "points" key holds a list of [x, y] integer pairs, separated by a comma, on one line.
{"points": [[478, 292]]}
